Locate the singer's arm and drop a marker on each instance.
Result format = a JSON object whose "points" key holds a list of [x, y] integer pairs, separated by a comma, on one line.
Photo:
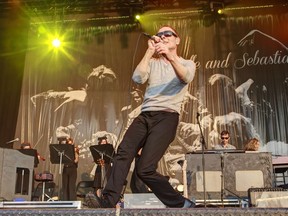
{"points": [[184, 71], [140, 74]]}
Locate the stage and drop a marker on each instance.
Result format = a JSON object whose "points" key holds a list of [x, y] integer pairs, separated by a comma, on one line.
{"points": [[51, 208], [213, 211]]}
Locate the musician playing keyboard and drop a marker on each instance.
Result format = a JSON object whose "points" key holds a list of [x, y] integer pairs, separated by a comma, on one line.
{"points": [[225, 137]]}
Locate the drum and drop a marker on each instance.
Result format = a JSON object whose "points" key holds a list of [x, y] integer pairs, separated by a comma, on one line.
{"points": [[44, 177]]}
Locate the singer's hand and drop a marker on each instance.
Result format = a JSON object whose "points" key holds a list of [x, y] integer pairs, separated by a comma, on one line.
{"points": [[161, 48], [152, 42], [151, 45]]}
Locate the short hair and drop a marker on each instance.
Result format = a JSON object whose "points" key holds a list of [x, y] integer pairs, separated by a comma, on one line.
{"points": [[224, 132], [101, 138], [25, 144]]}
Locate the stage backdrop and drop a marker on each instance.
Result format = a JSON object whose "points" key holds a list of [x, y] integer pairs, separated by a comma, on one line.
{"points": [[85, 90]]}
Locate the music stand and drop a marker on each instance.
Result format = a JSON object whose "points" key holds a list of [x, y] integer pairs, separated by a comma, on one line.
{"points": [[33, 153], [104, 151], [61, 154]]}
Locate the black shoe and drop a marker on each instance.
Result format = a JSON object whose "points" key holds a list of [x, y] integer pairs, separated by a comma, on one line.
{"points": [[105, 203], [93, 201], [188, 204]]}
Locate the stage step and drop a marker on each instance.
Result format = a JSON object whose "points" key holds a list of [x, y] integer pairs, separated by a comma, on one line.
{"points": [[40, 204], [142, 200]]}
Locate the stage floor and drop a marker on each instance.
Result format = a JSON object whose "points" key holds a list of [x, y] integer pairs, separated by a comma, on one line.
{"points": [[198, 211]]}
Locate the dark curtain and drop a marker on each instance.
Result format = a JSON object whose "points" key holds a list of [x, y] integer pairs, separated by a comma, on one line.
{"points": [[13, 41]]}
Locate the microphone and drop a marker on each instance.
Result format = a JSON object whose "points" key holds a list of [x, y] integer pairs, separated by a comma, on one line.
{"points": [[148, 35], [14, 140]]}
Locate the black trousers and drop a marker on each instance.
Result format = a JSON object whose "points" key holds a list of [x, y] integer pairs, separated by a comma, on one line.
{"points": [[152, 131], [136, 184], [69, 177]]}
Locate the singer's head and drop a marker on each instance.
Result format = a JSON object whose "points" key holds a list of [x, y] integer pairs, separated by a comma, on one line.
{"points": [[168, 35], [166, 41]]}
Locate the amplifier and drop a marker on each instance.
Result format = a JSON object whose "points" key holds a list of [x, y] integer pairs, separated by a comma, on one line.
{"points": [[241, 171], [268, 197]]}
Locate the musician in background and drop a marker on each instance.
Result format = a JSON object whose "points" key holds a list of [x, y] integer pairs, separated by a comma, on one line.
{"points": [[27, 145], [103, 169], [69, 175], [252, 145], [23, 174], [225, 137]]}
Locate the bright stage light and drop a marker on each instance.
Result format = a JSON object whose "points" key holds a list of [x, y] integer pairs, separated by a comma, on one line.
{"points": [[56, 43], [220, 11], [137, 17]]}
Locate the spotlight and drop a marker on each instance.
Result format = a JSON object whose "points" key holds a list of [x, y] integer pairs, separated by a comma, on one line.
{"points": [[136, 9], [137, 17], [216, 7], [220, 11], [212, 12], [56, 43]]}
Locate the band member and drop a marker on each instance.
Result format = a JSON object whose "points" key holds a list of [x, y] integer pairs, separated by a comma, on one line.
{"points": [[225, 137], [22, 184], [252, 145], [168, 76], [103, 169], [69, 175], [27, 145]]}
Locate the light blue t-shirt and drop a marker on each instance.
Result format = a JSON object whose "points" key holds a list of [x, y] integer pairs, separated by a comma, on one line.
{"points": [[165, 91]]}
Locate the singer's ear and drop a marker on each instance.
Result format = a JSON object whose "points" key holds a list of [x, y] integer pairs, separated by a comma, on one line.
{"points": [[177, 40]]}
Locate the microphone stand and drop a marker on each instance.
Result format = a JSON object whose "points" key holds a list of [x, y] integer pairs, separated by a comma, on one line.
{"points": [[203, 147]]}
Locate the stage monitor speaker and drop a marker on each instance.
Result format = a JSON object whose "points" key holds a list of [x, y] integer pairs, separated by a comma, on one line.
{"points": [[268, 197], [241, 171], [11, 161]]}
